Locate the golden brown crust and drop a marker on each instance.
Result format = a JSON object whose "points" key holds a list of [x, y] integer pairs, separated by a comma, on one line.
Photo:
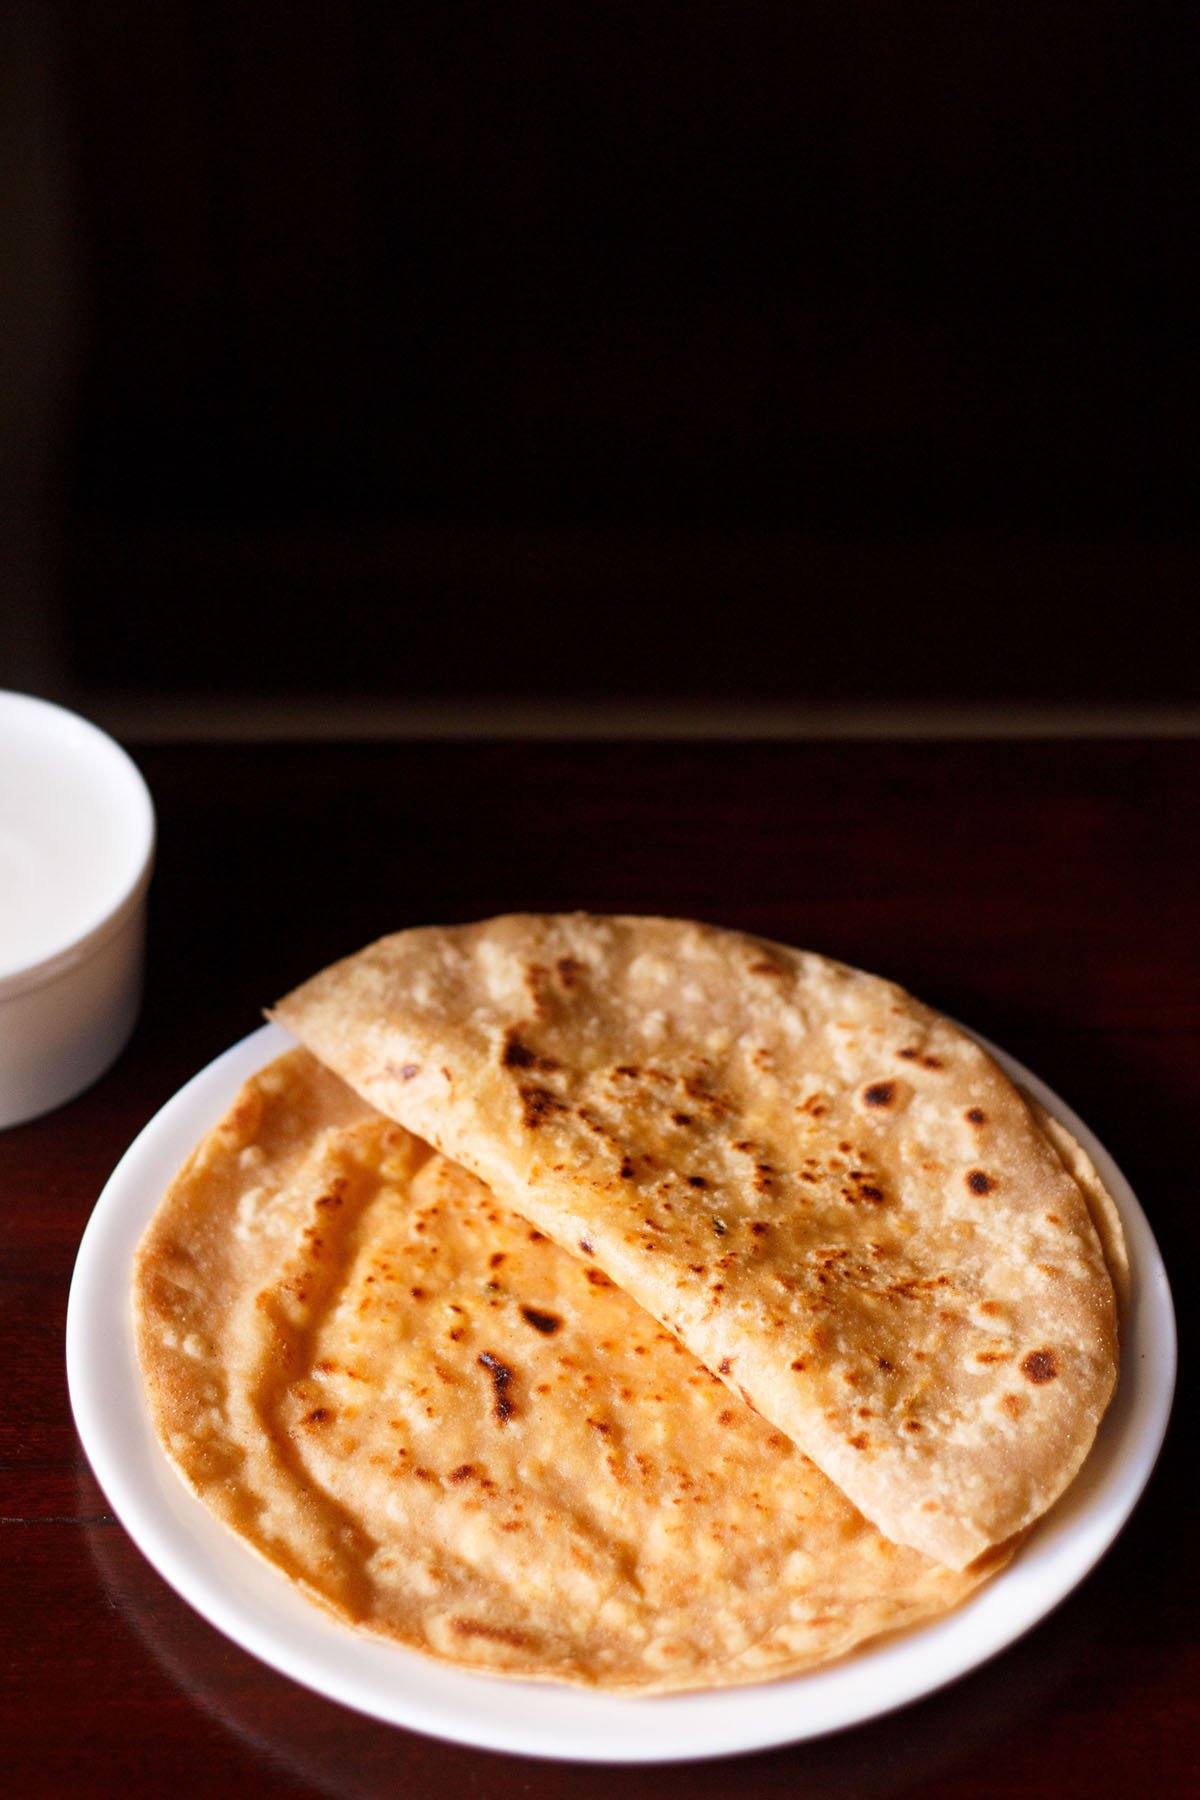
{"points": [[450, 1433], [829, 1193]]}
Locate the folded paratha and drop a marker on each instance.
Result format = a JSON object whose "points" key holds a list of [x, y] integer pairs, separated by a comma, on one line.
{"points": [[452, 1433], [829, 1193]]}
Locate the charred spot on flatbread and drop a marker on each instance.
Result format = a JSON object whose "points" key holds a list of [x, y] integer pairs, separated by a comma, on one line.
{"points": [[545, 1322], [1039, 1366]]}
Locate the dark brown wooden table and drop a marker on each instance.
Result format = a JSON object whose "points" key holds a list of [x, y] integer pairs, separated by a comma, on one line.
{"points": [[1046, 893]]}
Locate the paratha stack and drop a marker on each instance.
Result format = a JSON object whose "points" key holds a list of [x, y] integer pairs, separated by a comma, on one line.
{"points": [[628, 1302]]}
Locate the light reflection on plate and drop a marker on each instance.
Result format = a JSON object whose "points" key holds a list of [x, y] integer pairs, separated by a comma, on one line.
{"points": [[256, 1607]]}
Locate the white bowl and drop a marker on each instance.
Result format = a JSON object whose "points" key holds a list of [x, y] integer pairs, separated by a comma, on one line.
{"points": [[76, 851]]}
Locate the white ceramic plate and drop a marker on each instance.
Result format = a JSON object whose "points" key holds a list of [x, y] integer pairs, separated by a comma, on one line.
{"points": [[254, 1605]]}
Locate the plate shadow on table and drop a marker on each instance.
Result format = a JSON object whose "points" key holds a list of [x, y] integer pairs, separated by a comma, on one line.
{"points": [[346, 1757]]}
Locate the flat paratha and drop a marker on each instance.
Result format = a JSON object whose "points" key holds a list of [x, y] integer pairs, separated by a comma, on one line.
{"points": [[451, 1433], [829, 1193]]}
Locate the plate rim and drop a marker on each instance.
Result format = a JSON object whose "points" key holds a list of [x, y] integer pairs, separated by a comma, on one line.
{"points": [[265, 1616]]}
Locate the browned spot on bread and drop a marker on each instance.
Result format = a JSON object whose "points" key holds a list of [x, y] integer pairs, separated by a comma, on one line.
{"points": [[592, 1122], [546, 1323], [516, 1054], [1013, 1404], [1039, 1366], [463, 1472], [501, 1376], [538, 1104], [725, 1366], [799, 1365], [496, 1634], [879, 1093], [859, 1441], [992, 1356], [884, 1364], [585, 1246], [979, 1182], [535, 976], [696, 1181], [569, 971], [597, 1277], [714, 1105], [975, 1115], [320, 1415]]}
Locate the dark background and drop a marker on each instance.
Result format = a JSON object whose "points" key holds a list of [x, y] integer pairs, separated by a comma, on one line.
{"points": [[773, 351]]}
